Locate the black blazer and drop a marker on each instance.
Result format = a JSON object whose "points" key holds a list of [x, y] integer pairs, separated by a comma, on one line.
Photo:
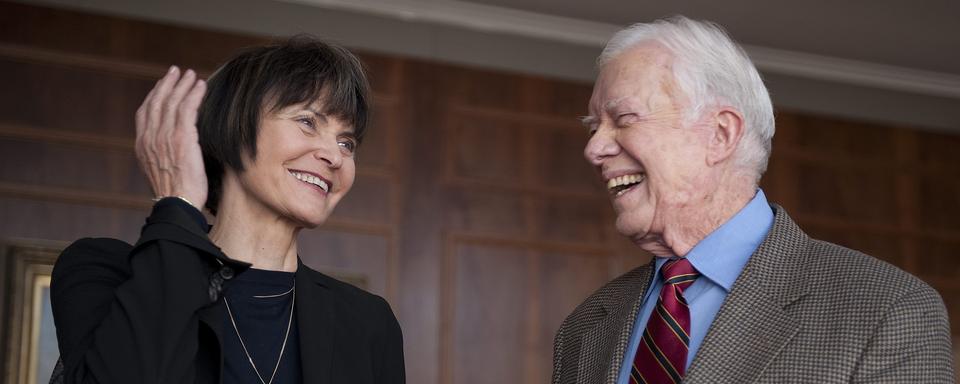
{"points": [[153, 313]]}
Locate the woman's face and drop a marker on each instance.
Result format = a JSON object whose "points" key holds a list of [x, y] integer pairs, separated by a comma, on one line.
{"points": [[304, 164]]}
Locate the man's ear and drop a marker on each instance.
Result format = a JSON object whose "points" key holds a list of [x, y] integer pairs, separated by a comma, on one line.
{"points": [[726, 130]]}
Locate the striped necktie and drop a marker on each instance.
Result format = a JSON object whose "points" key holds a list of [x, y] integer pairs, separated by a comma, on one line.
{"points": [[662, 352]]}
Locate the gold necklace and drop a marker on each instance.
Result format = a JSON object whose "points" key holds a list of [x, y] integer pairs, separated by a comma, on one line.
{"points": [[282, 347]]}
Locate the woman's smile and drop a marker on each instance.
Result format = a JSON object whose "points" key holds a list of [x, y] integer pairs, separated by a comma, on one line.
{"points": [[313, 180]]}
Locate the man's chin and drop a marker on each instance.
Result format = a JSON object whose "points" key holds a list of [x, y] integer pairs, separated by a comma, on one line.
{"points": [[631, 226], [653, 244]]}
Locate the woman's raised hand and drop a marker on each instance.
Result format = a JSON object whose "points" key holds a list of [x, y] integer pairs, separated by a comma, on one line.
{"points": [[168, 145]]}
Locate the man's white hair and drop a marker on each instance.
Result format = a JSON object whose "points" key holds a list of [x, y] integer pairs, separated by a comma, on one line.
{"points": [[711, 70]]}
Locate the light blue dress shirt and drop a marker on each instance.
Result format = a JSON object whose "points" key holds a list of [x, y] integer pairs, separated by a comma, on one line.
{"points": [[720, 257]]}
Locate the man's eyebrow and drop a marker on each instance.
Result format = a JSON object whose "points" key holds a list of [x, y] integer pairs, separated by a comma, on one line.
{"points": [[612, 104], [589, 120]]}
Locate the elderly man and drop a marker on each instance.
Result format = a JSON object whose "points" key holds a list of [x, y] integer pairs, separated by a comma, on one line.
{"points": [[680, 126]]}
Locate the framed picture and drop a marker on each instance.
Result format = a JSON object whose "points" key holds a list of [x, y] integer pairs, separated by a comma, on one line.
{"points": [[31, 338]]}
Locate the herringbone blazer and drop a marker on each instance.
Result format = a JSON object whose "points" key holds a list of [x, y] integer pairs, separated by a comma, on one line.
{"points": [[802, 311]]}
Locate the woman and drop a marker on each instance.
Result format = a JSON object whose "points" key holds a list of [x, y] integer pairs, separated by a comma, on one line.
{"points": [[268, 147]]}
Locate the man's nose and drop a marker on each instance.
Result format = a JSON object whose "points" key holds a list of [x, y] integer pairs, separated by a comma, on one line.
{"points": [[600, 146]]}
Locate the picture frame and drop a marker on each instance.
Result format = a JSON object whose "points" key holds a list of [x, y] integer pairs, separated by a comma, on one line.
{"points": [[29, 336]]}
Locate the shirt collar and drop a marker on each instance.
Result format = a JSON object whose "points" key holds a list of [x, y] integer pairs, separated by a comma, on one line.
{"points": [[722, 255]]}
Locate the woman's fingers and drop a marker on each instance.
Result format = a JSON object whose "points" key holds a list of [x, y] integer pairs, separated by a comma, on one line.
{"points": [[142, 112], [167, 145], [155, 106], [190, 160], [167, 148], [146, 121], [152, 145], [187, 114], [171, 106]]}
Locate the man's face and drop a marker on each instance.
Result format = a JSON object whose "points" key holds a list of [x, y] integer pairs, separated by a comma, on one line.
{"points": [[651, 158]]}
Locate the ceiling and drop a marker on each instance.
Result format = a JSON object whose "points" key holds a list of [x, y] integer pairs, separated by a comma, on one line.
{"points": [[922, 34]]}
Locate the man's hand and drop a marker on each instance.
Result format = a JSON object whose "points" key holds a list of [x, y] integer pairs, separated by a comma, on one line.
{"points": [[167, 145]]}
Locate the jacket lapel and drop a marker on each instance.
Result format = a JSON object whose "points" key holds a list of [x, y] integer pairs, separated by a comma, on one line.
{"points": [[608, 340], [212, 317], [315, 318], [754, 324]]}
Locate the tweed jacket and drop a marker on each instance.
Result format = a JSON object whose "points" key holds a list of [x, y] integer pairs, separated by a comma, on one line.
{"points": [[802, 311]]}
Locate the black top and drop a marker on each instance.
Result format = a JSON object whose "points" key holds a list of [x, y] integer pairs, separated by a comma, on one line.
{"points": [[154, 313], [260, 304]]}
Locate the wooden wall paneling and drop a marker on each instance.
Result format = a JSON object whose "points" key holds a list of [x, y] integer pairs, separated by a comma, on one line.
{"points": [[937, 152], [938, 261], [422, 221], [906, 191], [63, 136], [389, 109], [67, 99], [530, 180], [566, 279], [560, 164], [32, 218], [479, 88], [544, 282], [490, 311], [385, 73], [350, 254], [494, 212], [580, 220], [573, 205], [370, 200], [940, 203], [84, 61], [378, 150], [539, 167], [560, 100], [951, 299], [485, 150], [844, 138], [882, 244], [937, 208], [840, 192], [92, 198], [533, 369], [73, 167], [779, 182]]}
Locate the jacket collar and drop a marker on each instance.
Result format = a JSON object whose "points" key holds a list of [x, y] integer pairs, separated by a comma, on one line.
{"points": [[755, 317], [173, 224], [316, 317], [611, 335]]}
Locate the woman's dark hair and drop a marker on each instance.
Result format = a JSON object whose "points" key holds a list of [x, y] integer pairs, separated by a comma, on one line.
{"points": [[269, 78]]}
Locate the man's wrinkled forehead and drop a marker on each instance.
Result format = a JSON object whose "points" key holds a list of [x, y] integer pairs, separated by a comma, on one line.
{"points": [[634, 76]]}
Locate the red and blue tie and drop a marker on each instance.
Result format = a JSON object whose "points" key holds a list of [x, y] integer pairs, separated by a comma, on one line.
{"points": [[662, 353]]}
